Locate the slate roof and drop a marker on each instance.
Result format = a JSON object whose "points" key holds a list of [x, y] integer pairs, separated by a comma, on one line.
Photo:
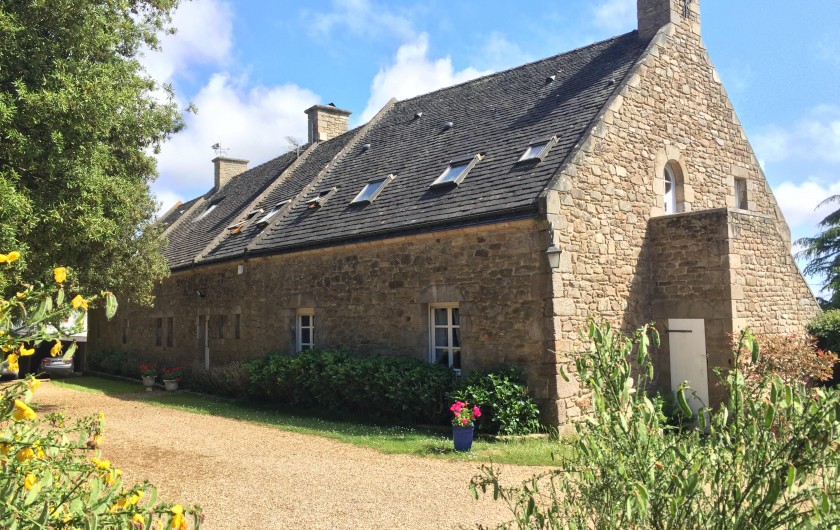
{"points": [[496, 115]]}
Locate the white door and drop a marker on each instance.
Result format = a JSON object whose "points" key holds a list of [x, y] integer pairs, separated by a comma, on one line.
{"points": [[687, 339]]}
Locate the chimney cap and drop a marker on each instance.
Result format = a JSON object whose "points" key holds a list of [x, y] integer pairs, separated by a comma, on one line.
{"points": [[330, 109], [229, 159]]}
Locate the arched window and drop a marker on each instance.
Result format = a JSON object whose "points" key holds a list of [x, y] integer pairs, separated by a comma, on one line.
{"points": [[670, 190]]}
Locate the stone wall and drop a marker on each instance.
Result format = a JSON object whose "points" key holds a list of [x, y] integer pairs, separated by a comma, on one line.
{"points": [[326, 122], [225, 169], [670, 110], [769, 293], [372, 298]]}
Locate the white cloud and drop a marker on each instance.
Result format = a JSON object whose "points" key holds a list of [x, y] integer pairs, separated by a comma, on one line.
{"points": [[615, 15], [362, 18], [204, 36], [251, 123], [799, 201], [413, 73], [816, 137], [499, 53]]}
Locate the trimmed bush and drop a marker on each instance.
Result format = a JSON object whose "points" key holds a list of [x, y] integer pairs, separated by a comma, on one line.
{"points": [[114, 362], [504, 401], [230, 380], [338, 383]]}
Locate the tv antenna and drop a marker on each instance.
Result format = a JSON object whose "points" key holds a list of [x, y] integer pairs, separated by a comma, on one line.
{"points": [[217, 147], [295, 144]]}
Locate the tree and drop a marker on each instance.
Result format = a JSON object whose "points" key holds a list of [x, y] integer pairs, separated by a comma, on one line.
{"points": [[79, 122], [823, 254]]}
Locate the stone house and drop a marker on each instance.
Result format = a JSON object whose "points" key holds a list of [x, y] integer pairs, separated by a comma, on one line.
{"points": [[481, 224]]}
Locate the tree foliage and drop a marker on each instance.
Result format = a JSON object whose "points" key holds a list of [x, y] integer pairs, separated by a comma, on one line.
{"points": [[79, 122], [823, 254]]}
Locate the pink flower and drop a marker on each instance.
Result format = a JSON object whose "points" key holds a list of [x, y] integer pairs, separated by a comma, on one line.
{"points": [[477, 412], [464, 421]]}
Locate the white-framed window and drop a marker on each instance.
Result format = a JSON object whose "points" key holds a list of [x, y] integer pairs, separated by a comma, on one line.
{"points": [[372, 190], [670, 190], [264, 220], [741, 194], [305, 330], [445, 335], [455, 172]]}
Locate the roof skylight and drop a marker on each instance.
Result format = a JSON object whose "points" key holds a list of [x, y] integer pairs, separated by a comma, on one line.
{"points": [[372, 190], [321, 199], [455, 172], [265, 219], [538, 149]]}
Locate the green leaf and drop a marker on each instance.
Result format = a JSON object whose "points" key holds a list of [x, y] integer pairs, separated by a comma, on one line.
{"points": [[110, 305], [31, 496], [70, 351], [563, 374], [791, 476], [682, 402], [769, 416], [755, 351], [59, 298]]}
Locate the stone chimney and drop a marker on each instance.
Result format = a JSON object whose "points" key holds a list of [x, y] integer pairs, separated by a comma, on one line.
{"points": [[227, 168], [653, 14], [327, 121]]}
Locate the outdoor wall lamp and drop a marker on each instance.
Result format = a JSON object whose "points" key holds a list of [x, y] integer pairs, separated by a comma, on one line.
{"points": [[553, 254], [200, 293]]}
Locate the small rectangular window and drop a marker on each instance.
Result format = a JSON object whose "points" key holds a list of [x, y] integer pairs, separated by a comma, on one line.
{"points": [[158, 332], [264, 220], [372, 190], [741, 194], [222, 322], [170, 331], [455, 173], [538, 149], [305, 329], [445, 335], [237, 326]]}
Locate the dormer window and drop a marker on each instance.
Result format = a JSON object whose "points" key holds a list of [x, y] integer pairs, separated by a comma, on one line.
{"points": [[372, 190], [538, 149], [321, 199], [264, 220], [455, 173]]}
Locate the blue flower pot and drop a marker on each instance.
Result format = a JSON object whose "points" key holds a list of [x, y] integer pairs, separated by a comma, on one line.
{"points": [[462, 436]]}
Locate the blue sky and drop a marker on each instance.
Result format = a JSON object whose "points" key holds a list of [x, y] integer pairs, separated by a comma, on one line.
{"points": [[252, 68]]}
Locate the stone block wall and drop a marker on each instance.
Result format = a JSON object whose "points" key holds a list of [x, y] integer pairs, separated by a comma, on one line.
{"points": [[225, 169], [671, 109], [372, 298], [326, 122], [769, 293]]}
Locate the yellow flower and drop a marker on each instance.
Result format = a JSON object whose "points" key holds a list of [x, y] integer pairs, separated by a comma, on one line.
{"points": [[30, 481], [38, 451], [4, 258], [178, 521], [24, 352], [138, 518], [135, 497], [101, 464], [12, 256], [12, 361], [78, 302], [22, 411], [20, 295], [25, 454], [5, 447], [60, 274], [33, 384], [111, 477], [56, 349]]}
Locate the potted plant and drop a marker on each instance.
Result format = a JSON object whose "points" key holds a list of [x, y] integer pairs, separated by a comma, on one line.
{"points": [[463, 422], [171, 377], [148, 372]]}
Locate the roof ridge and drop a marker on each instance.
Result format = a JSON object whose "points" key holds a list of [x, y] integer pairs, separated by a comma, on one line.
{"points": [[519, 67]]}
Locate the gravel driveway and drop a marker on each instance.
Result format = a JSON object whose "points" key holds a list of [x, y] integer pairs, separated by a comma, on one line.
{"points": [[255, 477]]}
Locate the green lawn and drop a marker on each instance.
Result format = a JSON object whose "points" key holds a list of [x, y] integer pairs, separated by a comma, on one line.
{"points": [[391, 440]]}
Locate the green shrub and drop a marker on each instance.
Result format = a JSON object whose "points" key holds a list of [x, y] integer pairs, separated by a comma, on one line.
{"points": [[506, 407], [231, 380], [338, 383], [826, 328], [767, 458], [115, 362]]}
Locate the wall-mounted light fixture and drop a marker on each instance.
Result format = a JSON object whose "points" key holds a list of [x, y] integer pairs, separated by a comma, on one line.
{"points": [[552, 252], [200, 293]]}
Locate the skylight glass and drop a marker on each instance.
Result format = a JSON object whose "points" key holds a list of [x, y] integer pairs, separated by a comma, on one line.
{"points": [[322, 197], [455, 172], [371, 190], [534, 151], [207, 212], [538, 149], [264, 220]]}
